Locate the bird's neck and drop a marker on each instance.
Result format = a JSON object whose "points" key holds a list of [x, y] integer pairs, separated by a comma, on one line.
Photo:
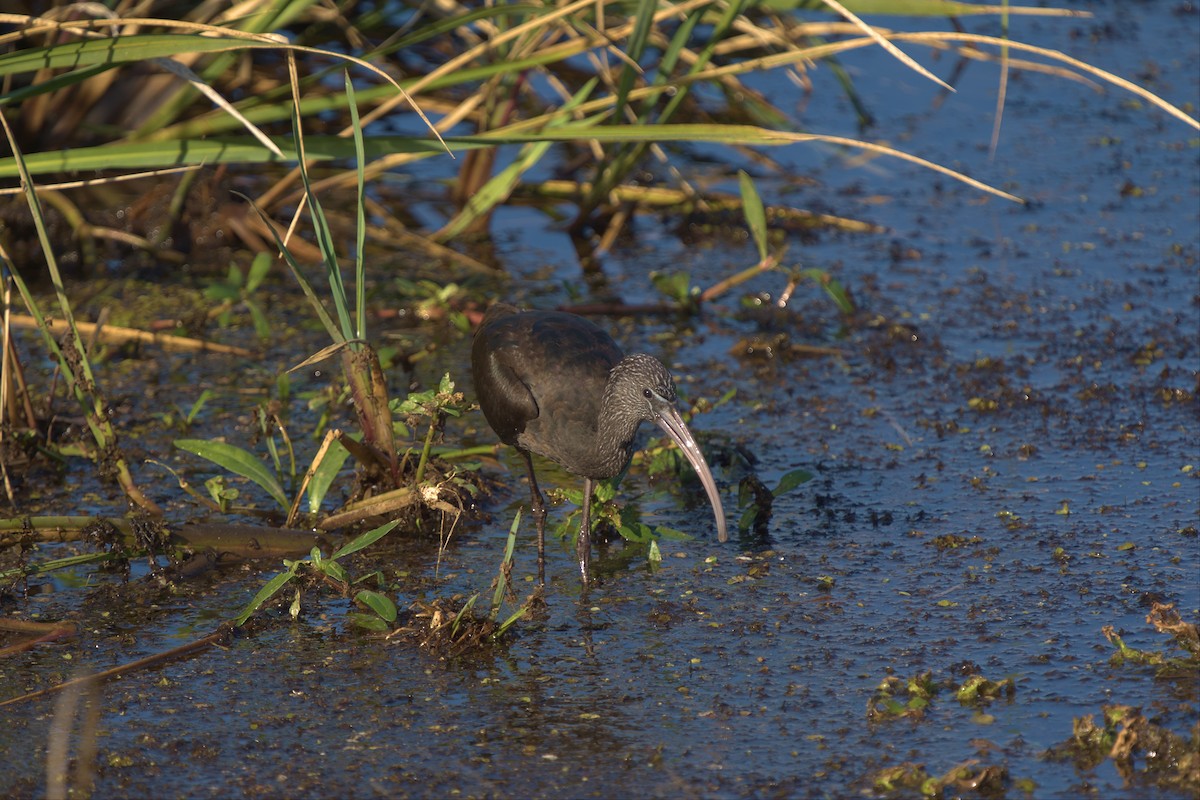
{"points": [[615, 431]]}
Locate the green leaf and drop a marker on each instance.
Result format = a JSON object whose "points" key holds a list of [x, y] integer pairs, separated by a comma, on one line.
{"points": [[334, 570], [368, 622], [326, 472], [268, 591], [748, 517], [501, 581], [791, 480], [262, 327], [259, 270], [239, 462], [508, 623], [675, 285], [118, 50], [215, 150], [381, 604], [199, 404], [360, 283], [673, 534], [366, 539], [756, 217], [643, 25]]}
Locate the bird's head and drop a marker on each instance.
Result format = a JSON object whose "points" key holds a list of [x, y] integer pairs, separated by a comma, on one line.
{"points": [[640, 386]]}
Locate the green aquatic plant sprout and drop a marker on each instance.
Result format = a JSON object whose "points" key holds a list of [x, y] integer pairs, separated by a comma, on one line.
{"points": [[756, 500], [240, 462], [321, 568], [238, 291], [183, 420]]}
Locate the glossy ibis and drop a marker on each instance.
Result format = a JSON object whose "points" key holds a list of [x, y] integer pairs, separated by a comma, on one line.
{"points": [[557, 385]]}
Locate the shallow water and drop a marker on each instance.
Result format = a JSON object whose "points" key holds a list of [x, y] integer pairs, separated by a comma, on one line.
{"points": [[1030, 388]]}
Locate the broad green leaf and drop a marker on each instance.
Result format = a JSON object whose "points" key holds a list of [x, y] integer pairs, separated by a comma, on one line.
{"points": [[368, 622], [238, 461], [673, 534], [381, 604], [326, 472]]}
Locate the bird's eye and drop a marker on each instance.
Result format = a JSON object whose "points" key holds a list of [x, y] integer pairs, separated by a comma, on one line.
{"points": [[646, 393]]}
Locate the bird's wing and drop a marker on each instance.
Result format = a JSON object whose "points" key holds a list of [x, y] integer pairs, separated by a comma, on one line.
{"points": [[507, 402]]}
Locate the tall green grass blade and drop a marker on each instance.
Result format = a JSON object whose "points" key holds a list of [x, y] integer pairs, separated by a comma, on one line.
{"points": [[118, 50], [72, 356], [635, 48], [360, 159], [231, 150], [333, 272], [907, 8], [52, 84], [505, 566], [239, 462]]}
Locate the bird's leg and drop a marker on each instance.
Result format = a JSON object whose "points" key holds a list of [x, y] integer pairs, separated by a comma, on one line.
{"points": [[583, 547], [539, 517]]}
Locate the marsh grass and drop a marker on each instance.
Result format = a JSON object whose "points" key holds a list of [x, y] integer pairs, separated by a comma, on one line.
{"points": [[618, 82]]}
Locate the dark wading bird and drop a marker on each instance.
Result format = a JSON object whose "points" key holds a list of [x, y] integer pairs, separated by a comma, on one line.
{"points": [[557, 385]]}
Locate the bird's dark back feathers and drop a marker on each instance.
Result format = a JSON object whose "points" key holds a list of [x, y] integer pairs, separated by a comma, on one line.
{"points": [[540, 378]]}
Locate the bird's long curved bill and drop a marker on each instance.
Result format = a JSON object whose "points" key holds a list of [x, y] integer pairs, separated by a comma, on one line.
{"points": [[669, 420]]}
